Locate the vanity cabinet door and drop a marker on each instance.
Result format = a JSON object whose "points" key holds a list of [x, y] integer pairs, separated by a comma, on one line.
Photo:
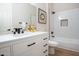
{"points": [[26, 48], [33, 49], [19, 49], [5, 51], [33, 45], [36, 48]]}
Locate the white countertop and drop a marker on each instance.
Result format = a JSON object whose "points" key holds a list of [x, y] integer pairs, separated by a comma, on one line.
{"points": [[11, 37]]}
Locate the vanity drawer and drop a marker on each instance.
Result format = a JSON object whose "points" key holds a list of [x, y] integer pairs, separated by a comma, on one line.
{"points": [[45, 52], [45, 47], [44, 38]]}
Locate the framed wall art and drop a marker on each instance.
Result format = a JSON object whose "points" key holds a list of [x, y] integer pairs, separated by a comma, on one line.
{"points": [[42, 16]]}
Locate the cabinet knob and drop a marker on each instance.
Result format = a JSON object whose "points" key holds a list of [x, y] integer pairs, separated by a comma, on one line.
{"points": [[2, 54], [45, 45], [45, 51]]}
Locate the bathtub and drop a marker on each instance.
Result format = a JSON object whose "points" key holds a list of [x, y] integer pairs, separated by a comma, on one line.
{"points": [[66, 43]]}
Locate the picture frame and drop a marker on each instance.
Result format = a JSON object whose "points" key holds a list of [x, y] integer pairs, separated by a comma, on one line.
{"points": [[42, 16]]}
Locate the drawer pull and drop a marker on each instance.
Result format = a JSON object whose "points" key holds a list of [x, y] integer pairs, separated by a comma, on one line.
{"points": [[45, 45], [45, 38], [45, 51], [31, 44], [2, 54]]}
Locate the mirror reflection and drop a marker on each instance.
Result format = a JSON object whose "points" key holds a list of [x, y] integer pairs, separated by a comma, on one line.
{"points": [[16, 15]]}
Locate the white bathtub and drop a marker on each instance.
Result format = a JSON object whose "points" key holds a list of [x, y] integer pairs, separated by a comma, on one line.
{"points": [[66, 43]]}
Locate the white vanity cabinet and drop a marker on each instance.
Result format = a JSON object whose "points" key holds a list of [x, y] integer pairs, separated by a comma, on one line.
{"points": [[36, 45], [33, 46]]}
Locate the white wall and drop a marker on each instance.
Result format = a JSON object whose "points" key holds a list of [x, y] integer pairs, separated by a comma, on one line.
{"points": [[5, 17], [43, 6], [64, 6]]}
